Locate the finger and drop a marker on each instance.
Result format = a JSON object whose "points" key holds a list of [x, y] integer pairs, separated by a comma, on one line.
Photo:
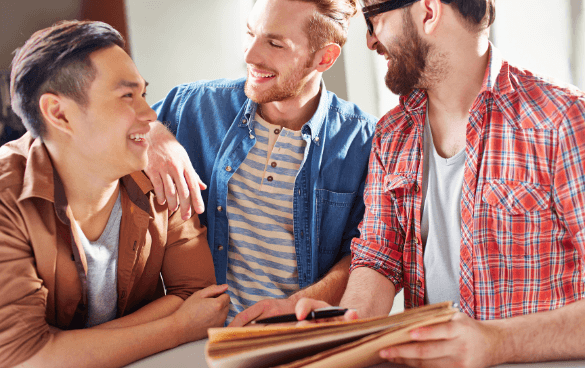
{"points": [[212, 291], [246, 316], [447, 330], [157, 184], [184, 196], [420, 350], [195, 187], [306, 305], [170, 192]]}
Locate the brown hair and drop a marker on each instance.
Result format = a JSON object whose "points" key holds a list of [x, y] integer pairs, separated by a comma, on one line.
{"points": [[56, 60], [330, 22]]}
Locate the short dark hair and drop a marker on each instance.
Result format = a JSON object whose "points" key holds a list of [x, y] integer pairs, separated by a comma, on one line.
{"points": [[330, 22], [56, 60], [481, 13]]}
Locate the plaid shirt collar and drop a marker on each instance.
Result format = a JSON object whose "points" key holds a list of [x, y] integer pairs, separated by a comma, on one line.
{"points": [[496, 81]]}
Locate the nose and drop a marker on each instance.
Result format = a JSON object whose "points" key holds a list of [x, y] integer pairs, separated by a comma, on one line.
{"points": [[371, 40], [251, 52], [145, 113]]}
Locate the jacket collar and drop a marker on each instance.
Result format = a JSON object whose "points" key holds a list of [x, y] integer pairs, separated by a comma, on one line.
{"points": [[41, 180]]}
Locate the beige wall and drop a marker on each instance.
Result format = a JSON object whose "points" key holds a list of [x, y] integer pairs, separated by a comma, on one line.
{"points": [[19, 19]]}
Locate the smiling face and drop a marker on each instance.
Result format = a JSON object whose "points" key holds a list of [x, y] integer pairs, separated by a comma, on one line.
{"points": [[409, 56], [109, 133], [277, 50]]}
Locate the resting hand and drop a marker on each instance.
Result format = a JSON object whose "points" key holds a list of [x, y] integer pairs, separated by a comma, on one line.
{"points": [[171, 173], [306, 305], [264, 309], [461, 342], [204, 309]]}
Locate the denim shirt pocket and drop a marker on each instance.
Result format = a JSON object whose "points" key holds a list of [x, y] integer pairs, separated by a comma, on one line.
{"points": [[333, 211], [517, 214]]}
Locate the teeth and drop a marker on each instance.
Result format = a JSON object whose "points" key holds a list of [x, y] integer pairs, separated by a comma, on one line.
{"points": [[138, 137], [261, 75]]}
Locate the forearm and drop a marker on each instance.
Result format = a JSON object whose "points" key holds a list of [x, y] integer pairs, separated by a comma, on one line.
{"points": [[106, 347], [158, 309], [545, 336], [331, 287], [368, 292]]}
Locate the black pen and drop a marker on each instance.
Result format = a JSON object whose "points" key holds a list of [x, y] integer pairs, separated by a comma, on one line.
{"points": [[316, 314]]}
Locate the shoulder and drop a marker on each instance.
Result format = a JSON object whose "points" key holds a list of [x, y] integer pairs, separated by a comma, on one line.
{"points": [[13, 161], [535, 101], [349, 111], [211, 88]]}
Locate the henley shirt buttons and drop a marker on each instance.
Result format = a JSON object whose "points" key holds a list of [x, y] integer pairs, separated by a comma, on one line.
{"points": [[219, 208], [270, 178], [276, 131], [228, 168], [220, 247], [273, 164]]}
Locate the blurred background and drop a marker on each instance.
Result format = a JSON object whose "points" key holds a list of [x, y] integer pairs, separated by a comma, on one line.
{"points": [[179, 41]]}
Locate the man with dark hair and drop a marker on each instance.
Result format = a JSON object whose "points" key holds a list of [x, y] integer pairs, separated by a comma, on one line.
{"points": [[285, 160], [475, 194], [83, 242]]}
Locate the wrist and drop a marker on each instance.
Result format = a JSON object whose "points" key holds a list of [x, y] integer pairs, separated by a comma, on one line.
{"points": [[501, 346]]}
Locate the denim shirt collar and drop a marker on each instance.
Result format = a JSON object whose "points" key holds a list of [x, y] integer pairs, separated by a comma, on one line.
{"points": [[310, 129]]}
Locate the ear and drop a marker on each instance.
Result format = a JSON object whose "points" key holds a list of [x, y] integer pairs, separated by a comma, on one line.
{"points": [[431, 12], [327, 56], [54, 108]]}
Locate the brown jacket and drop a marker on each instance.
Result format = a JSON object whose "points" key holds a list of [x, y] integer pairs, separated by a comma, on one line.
{"points": [[43, 267]]}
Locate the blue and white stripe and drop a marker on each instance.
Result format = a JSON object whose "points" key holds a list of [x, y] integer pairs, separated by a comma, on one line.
{"points": [[262, 257]]}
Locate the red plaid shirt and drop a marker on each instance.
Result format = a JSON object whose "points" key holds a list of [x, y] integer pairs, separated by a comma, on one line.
{"points": [[522, 203]]}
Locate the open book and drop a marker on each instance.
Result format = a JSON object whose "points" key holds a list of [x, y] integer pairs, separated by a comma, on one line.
{"points": [[328, 344]]}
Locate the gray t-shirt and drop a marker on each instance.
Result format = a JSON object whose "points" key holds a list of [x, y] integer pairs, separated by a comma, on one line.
{"points": [[102, 267], [441, 221]]}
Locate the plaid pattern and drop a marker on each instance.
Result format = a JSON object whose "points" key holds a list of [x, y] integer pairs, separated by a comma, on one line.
{"points": [[522, 204]]}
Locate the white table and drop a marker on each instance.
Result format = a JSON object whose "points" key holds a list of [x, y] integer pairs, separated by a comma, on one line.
{"points": [[192, 355]]}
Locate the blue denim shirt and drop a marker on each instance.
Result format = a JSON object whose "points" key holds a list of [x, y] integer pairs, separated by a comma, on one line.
{"points": [[212, 120]]}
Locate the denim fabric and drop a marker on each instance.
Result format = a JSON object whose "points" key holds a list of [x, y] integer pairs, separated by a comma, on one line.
{"points": [[211, 119]]}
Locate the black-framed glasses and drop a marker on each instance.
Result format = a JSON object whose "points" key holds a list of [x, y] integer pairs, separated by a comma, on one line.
{"points": [[383, 7]]}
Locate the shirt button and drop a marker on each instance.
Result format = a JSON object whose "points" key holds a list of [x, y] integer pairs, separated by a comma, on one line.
{"points": [[316, 139], [228, 168], [123, 294], [220, 247], [276, 131], [251, 136], [418, 283], [270, 178], [392, 195], [273, 164], [416, 188], [302, 233], [219, 208], [245, 121]]}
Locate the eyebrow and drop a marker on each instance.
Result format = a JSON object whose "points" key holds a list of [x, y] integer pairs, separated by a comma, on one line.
{"points": [[273, 36], [125, 83]]}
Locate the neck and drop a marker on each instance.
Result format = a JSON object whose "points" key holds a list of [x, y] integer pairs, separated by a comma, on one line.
{"points": [[456, 92], [91, 195], [294, 112]]}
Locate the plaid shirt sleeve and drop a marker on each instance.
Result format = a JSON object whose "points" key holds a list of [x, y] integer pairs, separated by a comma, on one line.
{"points": [[569, 179], [381, 242]]}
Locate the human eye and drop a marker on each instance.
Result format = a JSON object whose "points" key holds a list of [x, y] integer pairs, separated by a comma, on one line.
{"points": [[128, 95], [275, 45]]}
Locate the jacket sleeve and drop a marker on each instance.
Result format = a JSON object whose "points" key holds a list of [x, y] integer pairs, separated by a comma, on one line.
{"points": [[23, 327], [187, 265]]}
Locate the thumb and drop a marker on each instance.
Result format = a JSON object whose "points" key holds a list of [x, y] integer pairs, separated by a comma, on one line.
{"points": [[212, 291]]}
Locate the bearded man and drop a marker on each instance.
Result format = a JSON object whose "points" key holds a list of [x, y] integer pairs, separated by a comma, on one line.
{"points": [[475, 194], [285, 160]]}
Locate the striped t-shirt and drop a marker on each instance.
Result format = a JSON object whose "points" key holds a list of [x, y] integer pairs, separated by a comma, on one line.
{"points": [[262, 260]]}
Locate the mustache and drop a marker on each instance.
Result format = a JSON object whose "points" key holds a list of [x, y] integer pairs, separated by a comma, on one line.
{"points": [[261, 67]]}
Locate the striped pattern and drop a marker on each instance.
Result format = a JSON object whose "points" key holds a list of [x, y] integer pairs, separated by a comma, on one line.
{"points": [[262, 261], [522, 204]]}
